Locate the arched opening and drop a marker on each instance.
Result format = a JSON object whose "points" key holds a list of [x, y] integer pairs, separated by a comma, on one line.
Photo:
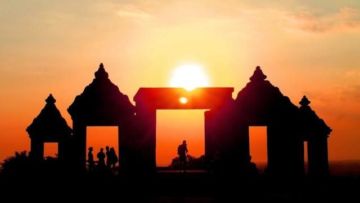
{"points": [[174, 126], [258, 146], [150, 100], [51, 150], [99, 137]]}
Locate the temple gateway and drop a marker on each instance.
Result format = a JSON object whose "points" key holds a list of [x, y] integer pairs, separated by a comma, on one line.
{"points": [[227, 122]]}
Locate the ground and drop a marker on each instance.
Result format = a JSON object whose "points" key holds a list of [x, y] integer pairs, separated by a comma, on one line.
{"points": [[192, 186], [186, 187]]}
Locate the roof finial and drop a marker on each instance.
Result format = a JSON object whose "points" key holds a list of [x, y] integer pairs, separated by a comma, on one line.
{"points": [[258, 75], [304, 101], [101, 73], [50, 99]]}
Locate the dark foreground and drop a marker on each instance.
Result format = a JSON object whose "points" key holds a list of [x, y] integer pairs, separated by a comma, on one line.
{"points": [[181, 187]]}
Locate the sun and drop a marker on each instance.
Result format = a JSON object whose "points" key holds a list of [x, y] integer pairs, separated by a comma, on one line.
{"points": [[189, 76], [183, 100]]}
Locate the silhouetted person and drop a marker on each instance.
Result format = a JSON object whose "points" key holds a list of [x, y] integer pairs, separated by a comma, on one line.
{"points": [[182, 152], [113, 158], [101, 158], [108, 157], [91, 159]]}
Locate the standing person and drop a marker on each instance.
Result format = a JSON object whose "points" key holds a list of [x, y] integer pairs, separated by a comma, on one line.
{"points": [[114, 158], [101, 158], [108, 157], [182, 152], [91, 159]]}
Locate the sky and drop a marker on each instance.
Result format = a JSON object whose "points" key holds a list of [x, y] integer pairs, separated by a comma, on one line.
{"points": [[304, 47]]}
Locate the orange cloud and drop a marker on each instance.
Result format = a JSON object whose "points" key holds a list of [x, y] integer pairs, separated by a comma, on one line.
{"points": [[344, 19]]}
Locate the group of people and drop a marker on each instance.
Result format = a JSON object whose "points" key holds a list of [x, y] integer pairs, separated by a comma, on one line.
{"points": [[109, 154], [112, 158]]}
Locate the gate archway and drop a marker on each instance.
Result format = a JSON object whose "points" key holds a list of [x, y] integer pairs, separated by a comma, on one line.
{"points": [[148, 100], [101, 104]]}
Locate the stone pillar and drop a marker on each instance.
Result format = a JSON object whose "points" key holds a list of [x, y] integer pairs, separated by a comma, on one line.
{"points": [[210, 139], [127, 147], [120, 146], [235, 149], [244, 144], [79, 146], [318, 156], [285, 151], [271, 149], [300, 170], [37, 149], [61, 149], [147, 136], [278, 150]]}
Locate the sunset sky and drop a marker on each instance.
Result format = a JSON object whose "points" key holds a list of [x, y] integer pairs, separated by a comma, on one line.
{"points": [[304, 47]]}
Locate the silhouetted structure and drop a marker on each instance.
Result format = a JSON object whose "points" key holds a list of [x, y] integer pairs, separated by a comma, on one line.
{"points": [[49, 126], [262, 104], [315, 132], [101, 104], [149, 100], [227, 123]]}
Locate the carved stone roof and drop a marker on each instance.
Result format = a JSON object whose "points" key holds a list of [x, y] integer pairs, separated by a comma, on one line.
{"points": [[101, 102], [260, 99], [313, 124], [49, 124]]}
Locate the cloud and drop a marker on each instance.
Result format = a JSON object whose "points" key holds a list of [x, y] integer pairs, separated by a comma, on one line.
{"points": [[133, 12], [309, 19], [344, 19]]}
